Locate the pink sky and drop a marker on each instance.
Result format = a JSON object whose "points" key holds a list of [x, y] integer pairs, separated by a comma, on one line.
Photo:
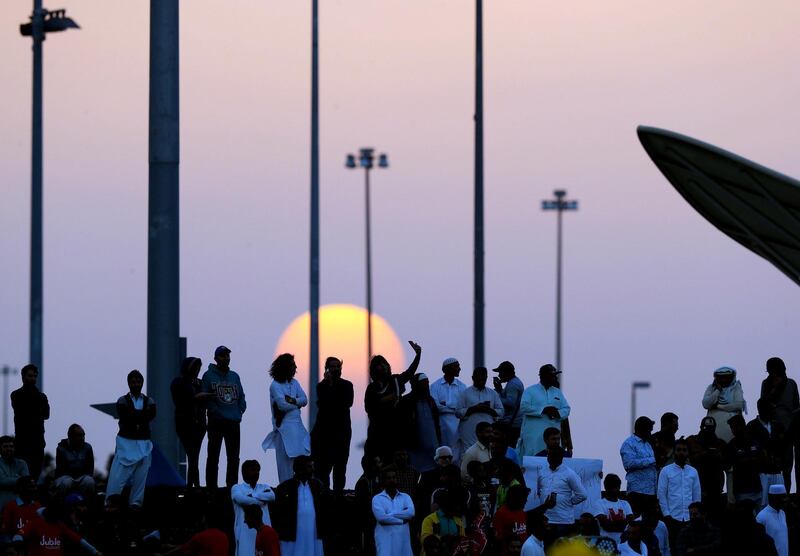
{"points": [[652, 291]]}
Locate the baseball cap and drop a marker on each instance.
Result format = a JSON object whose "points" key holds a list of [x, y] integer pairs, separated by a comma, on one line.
{"points": [[548, 369], [504, 366], [221, 350]]}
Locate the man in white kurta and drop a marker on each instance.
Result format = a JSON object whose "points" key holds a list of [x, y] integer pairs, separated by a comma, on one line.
{"points": [[542, 406], [446, 392], [773, 518], [307, 540], [249, 493], [392, 510], [476, 403]]}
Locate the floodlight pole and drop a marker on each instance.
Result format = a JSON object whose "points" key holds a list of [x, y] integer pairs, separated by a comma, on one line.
{"points": [[163, 255], [313, 362], [479, 303], [559, 204], [6, 371]]}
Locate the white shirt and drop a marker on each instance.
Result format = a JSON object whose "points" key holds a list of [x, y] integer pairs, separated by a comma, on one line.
{"points": [[392, 534], [569, 492], [476, 452], [774, 521], [662, 534], [618, 510], [446, 395], [677, 488], [532, 547], [245, 495], [625, 550]]}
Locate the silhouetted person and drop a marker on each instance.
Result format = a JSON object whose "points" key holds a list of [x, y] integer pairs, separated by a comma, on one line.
{"points": [[421, 434], [225, 410], [48, 534], [381, 401], [393, 510], [781, 392], [300, 508], [745, 457], [699, 537], [771, 437], [613, 514], [367, 486], [11, 469], [17, 513], [249, 494], [663, 441], [476, 404], [266, 539], [537, 529], [510, 396], [289, 437], [330, 437], [74, 464], [707, 454], [31, 410], [133, 453], [190, 415], [741, 534], [639, 462]]}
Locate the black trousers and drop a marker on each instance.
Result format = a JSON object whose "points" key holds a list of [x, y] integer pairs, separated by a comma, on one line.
{"points": [[642, 502], [331, 454], [191, 437], [217, 432], [32, 451]]}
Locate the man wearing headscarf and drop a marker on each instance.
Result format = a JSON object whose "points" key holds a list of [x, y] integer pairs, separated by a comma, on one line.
{"points": [[723, 399]]}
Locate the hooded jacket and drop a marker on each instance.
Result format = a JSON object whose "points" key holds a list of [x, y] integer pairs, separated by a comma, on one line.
{"points": [[229, 403], [74, 462]]}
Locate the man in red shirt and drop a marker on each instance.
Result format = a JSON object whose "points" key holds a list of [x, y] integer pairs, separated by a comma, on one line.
{"points": [[17, 513], [510, 521], [266, 538], [46, 535]]}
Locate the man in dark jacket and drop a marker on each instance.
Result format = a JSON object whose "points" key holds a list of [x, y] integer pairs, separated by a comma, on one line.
{"points": [[74, 464], [225, 410], [31, 410], [300, 511], [330, 437], [781, 392]]}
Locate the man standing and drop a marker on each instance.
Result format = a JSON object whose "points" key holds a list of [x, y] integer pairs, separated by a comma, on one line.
{"points": [[781, 392], [476, 404], [745, 457], [699, 537], [134, 449], [639, 462], [225, 412], [542, 406], [537, 527], [663, 441], [773, 518], [446, 392], [31, 410], [678, 486], [510, 396], [392, 510], [707, 454], [562, 490], [771, 437], [330, 437], [480, 450], [422, 435], [249, 493], [300, 505]]}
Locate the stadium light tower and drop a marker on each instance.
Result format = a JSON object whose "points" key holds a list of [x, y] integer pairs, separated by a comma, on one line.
{"points": [[41, 23]]}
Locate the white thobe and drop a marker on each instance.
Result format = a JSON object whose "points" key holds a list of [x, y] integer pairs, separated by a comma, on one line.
{"points": [[305, 542], [132, 459], [392, 535], [774, 521], [532, 547], [446, 397], [470, 397], [534, 400], [245, 495], [290, 439]]}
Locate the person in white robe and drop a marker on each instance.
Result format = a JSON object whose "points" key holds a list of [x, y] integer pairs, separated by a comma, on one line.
{"points": [[249, 493], [476, 404], [300, 536], [446, 392], [289, 437], [723, 399], [392, 510], [542, 406], [773, 518], [134, 449]]}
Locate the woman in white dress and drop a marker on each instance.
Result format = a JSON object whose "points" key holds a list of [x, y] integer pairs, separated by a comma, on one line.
{"points": [[289, 437]]}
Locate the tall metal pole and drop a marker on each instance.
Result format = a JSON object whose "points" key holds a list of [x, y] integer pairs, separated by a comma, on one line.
{"points": [[313, 310], [558, 287], [163, 271], [479, 302], [36, 293], [369, 265]]}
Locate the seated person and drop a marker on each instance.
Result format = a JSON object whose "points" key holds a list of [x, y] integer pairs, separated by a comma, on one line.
{"points": [[74, 464]]}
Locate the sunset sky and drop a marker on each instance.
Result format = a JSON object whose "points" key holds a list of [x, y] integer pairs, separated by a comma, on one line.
{"points": [[652, 291]]}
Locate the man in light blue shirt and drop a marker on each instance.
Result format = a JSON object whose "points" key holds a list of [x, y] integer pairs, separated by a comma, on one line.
{"points": [[639, 462], [510, 396]]}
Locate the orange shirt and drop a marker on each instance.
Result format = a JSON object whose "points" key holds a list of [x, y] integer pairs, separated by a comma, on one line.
{"points": [[267, 542]]}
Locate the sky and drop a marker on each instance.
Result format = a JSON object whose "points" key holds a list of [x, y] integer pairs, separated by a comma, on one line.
{"points": [[651, 290]]}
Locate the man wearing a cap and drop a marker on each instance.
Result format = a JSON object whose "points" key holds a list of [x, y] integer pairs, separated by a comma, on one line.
{"points": [[542, 406], [446, 392], [639, 462], [475, 405], [781, 392], [773, 518], [510, 396], [225, 412]]}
